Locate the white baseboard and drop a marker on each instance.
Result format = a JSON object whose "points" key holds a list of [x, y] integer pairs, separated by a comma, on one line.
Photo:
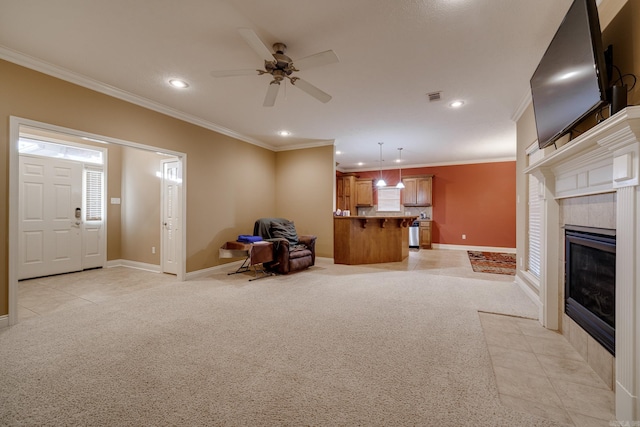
{"points": [[625, 404], [530, 293], [134, 264], [193, 275], [4, 321], [474, 248]]}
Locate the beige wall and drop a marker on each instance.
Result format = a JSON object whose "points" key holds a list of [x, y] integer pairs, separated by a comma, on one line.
{"points": [[306, 171], [114, 213], [141, 205], [624, 34], [229, 183]]}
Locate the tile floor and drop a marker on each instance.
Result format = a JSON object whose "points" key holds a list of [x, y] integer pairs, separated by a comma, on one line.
{"points": [[536, 370], [54, 293]]}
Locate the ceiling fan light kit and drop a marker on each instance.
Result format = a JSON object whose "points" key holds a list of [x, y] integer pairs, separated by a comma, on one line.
{"points": [[281, 67]]}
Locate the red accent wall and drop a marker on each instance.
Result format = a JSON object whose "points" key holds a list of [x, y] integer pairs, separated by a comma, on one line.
{"points": [[478, 200]]}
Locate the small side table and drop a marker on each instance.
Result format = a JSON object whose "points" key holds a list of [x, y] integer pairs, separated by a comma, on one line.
{"points": [[256, 254]]}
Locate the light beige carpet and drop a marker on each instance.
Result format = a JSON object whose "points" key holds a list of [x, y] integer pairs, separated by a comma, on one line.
{"points": [[334, 345]]}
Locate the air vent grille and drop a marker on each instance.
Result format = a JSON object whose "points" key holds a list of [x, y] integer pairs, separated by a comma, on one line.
{"points": [[434, 96]]}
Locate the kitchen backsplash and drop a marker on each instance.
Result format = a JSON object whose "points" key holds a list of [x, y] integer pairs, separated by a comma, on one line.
{"points": [[408, 211]]}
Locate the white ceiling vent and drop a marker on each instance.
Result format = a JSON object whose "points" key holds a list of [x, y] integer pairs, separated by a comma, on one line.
{"points": [[434, 96]]}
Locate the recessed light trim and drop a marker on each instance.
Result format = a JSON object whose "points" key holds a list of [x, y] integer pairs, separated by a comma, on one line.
{"points": [[180, 84], [284, 133], [456, 104]]}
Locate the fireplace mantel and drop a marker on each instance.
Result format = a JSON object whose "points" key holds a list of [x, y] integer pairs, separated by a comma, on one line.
{"points": [[602, 160]]}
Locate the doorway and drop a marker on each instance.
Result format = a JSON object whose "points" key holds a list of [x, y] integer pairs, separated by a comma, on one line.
{"points": [[16, 125], [171, 186]]}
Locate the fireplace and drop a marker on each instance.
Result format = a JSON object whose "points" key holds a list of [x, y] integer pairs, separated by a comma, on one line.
{"points": [[605, 159], [590, 281]]}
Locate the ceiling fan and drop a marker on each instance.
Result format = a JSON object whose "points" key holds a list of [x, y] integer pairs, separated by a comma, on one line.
{"points": [[280, 67]]}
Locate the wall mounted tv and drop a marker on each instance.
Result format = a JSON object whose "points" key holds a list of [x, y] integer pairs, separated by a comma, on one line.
{"points": [[570, 81]]}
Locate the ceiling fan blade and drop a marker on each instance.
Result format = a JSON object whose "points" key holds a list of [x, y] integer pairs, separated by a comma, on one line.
{"points": [[256, 44], [316, 60], [232, 73], [272, 93], [311, 89]]}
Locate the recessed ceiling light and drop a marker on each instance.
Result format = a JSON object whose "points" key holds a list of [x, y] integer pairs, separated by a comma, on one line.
{"points": [[456, 104], [338, 152], [360, 164], [284, 133], [178, 83]]}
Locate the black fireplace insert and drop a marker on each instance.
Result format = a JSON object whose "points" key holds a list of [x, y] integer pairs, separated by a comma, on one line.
{"points": [[590, 281]]}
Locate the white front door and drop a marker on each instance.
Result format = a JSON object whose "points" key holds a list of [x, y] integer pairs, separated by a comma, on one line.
{"points": [[50, 217], [171, 238]]}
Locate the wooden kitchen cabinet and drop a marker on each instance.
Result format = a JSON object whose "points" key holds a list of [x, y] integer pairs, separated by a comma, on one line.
{"points": [[346, 193], [425, 234], [364, 192], [417, 190]]}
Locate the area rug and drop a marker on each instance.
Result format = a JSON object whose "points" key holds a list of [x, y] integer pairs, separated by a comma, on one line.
{"points": [[493, 262]]}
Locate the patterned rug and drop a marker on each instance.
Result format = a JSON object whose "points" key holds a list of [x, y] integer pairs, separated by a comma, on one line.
{"points": [[493, 262]]}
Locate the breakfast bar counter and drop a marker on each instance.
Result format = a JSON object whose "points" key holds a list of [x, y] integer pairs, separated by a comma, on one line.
{"points": [[370, 239]]}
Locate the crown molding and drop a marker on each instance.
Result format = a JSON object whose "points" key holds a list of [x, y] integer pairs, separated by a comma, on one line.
{"points": [[430, 165], [314, 144], [522, 106], [81, 80]]}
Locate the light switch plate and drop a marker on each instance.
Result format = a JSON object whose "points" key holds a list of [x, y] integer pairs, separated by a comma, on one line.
{"points": [[115, 200]]}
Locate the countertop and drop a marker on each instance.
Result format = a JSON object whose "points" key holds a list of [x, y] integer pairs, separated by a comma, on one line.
{"points": [[412, 217]]}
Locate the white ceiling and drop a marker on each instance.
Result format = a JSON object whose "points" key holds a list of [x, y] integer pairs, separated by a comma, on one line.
{"points": [[392, 53]]}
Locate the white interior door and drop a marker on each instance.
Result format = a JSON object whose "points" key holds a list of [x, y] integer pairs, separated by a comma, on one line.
{"points": [[171, 238], [50, 200]]}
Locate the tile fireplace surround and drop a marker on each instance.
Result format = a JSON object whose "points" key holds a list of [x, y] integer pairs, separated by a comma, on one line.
{"points": [[602, 160]]}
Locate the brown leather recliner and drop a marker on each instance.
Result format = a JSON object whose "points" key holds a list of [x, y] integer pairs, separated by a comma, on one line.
{"points": [[288, 255]]}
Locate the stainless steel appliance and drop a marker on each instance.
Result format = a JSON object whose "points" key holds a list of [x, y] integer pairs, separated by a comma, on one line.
{"points": [[414, 235]]}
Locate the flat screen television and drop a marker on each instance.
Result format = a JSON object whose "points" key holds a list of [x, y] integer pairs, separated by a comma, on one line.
{"points": [[570, 81]]}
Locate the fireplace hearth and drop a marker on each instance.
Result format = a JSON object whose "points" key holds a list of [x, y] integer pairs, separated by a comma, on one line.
{"points": [[590, 281]]}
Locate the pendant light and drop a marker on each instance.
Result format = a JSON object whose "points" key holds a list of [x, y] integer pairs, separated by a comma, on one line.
{"points": [[381, 182], [400, 184]]}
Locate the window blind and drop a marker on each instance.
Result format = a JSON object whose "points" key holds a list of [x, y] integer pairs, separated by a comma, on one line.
{"points": [[93, 195], [535, 227]]}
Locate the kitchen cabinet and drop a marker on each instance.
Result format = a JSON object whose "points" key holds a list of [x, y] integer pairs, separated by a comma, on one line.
{"points": [[425, 234], [346, 193], [417, 190], [364, 192]]}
